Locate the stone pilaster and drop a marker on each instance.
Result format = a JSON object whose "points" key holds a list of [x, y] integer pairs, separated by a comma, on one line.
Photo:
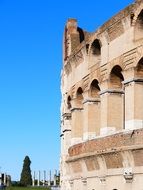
{"points": [[112, 109], [133, 99], [91, 118], [133, 103], [66, 131], [76, 123]]}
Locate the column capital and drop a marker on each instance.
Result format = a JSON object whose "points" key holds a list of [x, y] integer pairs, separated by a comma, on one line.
{"points": [[136, 80], [91, 100], [76, 109], [112, 91], [67, 116], [71, 182], [84, 181]]}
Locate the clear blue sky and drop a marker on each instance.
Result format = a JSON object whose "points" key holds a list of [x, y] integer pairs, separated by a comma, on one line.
{"points": [[31, 33]]}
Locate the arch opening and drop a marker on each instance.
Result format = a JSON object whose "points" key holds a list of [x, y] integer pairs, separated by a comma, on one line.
{"points": [[81, 34], [116, 77], [94, 89], [139, 27], [69, 103], [139, 68], [79, 97], [95, 48], [95, 53]]}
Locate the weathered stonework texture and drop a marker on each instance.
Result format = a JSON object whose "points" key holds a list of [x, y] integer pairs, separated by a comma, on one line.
{"points": [[102, 104]]}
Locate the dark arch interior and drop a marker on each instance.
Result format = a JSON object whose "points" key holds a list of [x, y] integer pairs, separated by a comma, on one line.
{"points": [[140, 68], [79, 96], [79, 91], [81, 34], [96, 48], [69, 102], [140, 64], [116, 77], [139, 27], [94, 88], [140, 18], [117, 71]]}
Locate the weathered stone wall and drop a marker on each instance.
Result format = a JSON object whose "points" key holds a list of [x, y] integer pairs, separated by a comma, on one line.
{"points": [[102, 107], [116, 142]]}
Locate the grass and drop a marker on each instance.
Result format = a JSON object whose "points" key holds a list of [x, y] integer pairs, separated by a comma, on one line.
{"points": [[27, 188]]}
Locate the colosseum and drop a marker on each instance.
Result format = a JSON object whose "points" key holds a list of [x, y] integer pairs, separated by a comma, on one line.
{"points": [[102, 104]]}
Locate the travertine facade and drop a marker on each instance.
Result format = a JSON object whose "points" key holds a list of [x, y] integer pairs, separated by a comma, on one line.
{"points": [[102, 104]]}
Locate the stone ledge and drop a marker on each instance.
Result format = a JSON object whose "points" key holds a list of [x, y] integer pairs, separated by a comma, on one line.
{"points": [[97, 153], [125, 140]]}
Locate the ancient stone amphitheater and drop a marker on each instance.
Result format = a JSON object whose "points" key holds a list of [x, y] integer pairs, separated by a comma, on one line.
{"points": [[102, 104]]}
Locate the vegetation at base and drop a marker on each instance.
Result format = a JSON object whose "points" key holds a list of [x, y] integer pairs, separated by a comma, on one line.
{"points": [[26, 177], [27, 188]]}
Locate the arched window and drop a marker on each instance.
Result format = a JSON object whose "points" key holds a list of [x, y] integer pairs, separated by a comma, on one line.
{"points": [[94, 89], [81, 34], [139, 26], [69, 102], [140, 68], [95, 53], [116, 77], [118, 97], [95, 48], [79, 96]]}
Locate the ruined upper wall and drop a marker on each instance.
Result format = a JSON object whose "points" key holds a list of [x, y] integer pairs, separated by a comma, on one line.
{"points": [[76, 38], [73, 37]]}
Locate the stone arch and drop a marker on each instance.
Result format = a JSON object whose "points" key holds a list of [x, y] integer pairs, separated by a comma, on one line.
{"points": [[117, 98], [138, 27], [95, 52], [139, 68], [94, 89], [92, 110], [79, 97], [81, 34], [95, 48], [116, 77], [69, 106], [77, 116]]}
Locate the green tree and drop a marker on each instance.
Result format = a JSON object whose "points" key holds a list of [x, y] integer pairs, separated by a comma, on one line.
{"points": [[26, 178]]}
